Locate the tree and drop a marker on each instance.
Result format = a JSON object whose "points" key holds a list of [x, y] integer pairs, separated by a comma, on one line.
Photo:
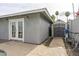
{"points": [[57, 13], [67, 14], [53, 17]]}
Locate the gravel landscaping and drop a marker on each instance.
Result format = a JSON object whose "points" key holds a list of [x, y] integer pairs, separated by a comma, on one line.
{"points": [[70, 50]]}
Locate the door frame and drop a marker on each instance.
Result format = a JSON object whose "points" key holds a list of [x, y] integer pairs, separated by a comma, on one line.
{"points": [[16, 20]]}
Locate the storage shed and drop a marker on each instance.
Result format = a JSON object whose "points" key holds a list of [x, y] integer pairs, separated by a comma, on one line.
{"points": [[28, 26]]}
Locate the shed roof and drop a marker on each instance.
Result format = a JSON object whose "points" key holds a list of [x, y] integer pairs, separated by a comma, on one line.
{"points": [[42, 10]]}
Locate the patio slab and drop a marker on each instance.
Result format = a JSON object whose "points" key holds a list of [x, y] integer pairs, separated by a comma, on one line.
{"points": [[14, 48]]}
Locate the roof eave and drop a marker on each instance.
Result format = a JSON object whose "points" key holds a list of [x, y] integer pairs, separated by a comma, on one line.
{"points": [[43, 10]]}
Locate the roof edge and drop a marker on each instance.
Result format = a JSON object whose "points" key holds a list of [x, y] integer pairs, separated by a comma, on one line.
{"points": [[29, 12]]}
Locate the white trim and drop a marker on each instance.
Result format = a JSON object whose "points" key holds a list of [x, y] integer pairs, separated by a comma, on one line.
{"points": [[16, 20], [42, 10], [23, 29], [25, 12], [9, 28]]}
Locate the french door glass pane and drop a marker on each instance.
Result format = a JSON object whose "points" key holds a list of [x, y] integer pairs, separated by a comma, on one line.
{"points": [[20, 29], [13, 29]]}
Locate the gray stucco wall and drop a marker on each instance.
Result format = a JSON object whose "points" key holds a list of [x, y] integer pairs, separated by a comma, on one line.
{"points": [[44, 29], [36, 29], [75, 25], [31, 31], [4, 29], [75, 29]]}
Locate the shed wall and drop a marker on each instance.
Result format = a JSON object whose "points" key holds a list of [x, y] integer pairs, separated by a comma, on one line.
{"points": [[4, 32], [36, 29], [44, 29], [31, 31]]}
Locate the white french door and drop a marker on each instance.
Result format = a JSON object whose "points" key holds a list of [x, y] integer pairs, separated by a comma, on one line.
{"points": [[16, 29]]}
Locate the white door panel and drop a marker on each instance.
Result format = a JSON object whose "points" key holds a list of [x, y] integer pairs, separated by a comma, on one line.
{"points": [[16, 29]]}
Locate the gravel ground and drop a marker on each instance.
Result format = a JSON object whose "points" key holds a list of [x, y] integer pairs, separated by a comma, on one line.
{"points": [[70, 51]]}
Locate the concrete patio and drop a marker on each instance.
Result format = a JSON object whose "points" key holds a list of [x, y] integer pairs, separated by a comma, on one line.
{"points": [[15, 48]]}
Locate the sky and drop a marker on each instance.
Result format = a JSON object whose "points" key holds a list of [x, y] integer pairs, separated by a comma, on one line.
{"points": [[52, 5]]}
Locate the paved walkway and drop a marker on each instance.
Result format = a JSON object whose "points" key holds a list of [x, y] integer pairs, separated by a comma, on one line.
{"points": [[46, 51], [57, 42], [56, 48]]}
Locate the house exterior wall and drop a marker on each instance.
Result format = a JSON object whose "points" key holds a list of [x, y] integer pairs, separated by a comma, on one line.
{"points": [[31, 29], [4, 29], [36, 29], [44, 29], [75, 26], [75, 29]]}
